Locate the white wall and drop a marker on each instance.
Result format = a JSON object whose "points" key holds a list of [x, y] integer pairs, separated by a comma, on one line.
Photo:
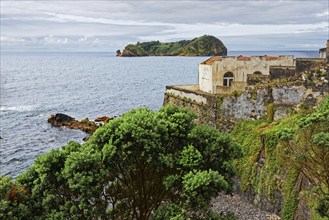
{"points": [[205, 78], [194, 97]]}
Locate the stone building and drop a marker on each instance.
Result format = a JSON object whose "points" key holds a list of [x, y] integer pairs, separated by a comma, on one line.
{"points": [[323, 52], [223, 75]]}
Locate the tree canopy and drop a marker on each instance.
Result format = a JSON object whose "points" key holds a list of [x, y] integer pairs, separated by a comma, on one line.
{"points": [[142, 165]]}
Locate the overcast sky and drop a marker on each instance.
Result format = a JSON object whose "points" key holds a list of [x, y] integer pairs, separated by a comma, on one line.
{"points": [[110, 25]]}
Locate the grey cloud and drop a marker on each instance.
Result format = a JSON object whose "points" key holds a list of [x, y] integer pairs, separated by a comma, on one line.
{"points": [[116, 23]]}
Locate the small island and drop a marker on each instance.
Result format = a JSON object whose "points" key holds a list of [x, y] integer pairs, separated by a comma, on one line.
{"points": [[202, 46]]}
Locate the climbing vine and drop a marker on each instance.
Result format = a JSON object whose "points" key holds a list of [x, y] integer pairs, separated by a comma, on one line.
{"points": [[278, 154]]}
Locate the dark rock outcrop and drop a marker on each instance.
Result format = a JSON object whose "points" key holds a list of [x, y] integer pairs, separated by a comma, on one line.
{"points": [[118, 53], [60, 120]]}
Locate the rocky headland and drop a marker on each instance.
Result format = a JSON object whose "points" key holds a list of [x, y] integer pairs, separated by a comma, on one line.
{"points": [[202, 46]]}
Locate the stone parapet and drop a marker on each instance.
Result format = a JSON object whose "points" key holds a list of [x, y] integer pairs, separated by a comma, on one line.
{"points": [[307, 64], [253, 79], [279, 72], [235, 87]]}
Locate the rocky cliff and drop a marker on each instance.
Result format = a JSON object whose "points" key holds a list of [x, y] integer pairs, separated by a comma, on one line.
{"points": [[202, 46]]}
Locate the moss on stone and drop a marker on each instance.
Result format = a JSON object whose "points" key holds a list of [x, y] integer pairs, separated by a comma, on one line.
{"points": [[260, 168], [270, 112], [290, 195]]}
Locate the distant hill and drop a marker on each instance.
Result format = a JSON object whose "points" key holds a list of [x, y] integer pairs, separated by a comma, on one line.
{"points": [[202, 46]]}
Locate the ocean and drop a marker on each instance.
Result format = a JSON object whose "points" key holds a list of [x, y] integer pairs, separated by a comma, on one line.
{"points": [[82, 85]]}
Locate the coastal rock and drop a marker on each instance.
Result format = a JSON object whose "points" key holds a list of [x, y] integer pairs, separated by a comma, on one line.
{"points": [[84, 125], [104, 119], [59, 120], [118, 53]]}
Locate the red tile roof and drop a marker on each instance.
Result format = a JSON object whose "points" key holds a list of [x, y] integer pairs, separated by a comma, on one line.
{"points": [[243, 58], [212, 59], [271, 57]]}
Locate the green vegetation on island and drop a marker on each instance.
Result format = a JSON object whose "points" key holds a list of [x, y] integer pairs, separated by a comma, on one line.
{"points": [[202, 46]]}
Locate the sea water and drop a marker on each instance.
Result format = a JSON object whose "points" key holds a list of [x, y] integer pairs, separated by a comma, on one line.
{"points": [[82, 85]]}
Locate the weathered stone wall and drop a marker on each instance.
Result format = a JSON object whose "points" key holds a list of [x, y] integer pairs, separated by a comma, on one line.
{"points": [[235, 87], [280, 72], [248, 105], [187, 95], [203, 104], [253, 79], [256, 102], [308, 64]]}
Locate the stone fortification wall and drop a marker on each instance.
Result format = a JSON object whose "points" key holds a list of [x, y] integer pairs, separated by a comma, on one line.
{"points": [[263, 101], [253, 79], [235, 87], [309, 64], [281, 72], [203, 104]]}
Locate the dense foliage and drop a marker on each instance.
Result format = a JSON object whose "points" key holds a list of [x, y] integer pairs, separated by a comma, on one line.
{"points": [[202, 46], [140, 165], [282, 156]]}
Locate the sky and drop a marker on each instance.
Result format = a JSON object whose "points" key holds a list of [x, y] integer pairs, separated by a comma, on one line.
{"points": [[80, 25]]}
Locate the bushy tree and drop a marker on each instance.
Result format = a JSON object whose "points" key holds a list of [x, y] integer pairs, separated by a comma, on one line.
{"points": [[12, 197], [132, 166]]}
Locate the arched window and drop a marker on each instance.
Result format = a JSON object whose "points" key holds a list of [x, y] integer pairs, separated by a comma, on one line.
{"points": [[258, 73], [228, 78]]}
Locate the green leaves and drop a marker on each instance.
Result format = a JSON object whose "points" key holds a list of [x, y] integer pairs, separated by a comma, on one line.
{"points": [[190, 157], [129, 167], [286, 134], [12, 196], [297, 144], [321, 139], [198, 182]]}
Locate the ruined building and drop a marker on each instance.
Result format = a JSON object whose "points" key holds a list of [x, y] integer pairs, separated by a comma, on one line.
{"points": [[242, 87], [224, 75]]}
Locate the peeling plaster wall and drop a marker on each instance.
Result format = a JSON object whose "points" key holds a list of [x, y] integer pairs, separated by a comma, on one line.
{"points": [[245, 106]]}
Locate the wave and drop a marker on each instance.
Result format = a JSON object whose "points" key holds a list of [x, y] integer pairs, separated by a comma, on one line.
{"points": [[18, 108]]}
